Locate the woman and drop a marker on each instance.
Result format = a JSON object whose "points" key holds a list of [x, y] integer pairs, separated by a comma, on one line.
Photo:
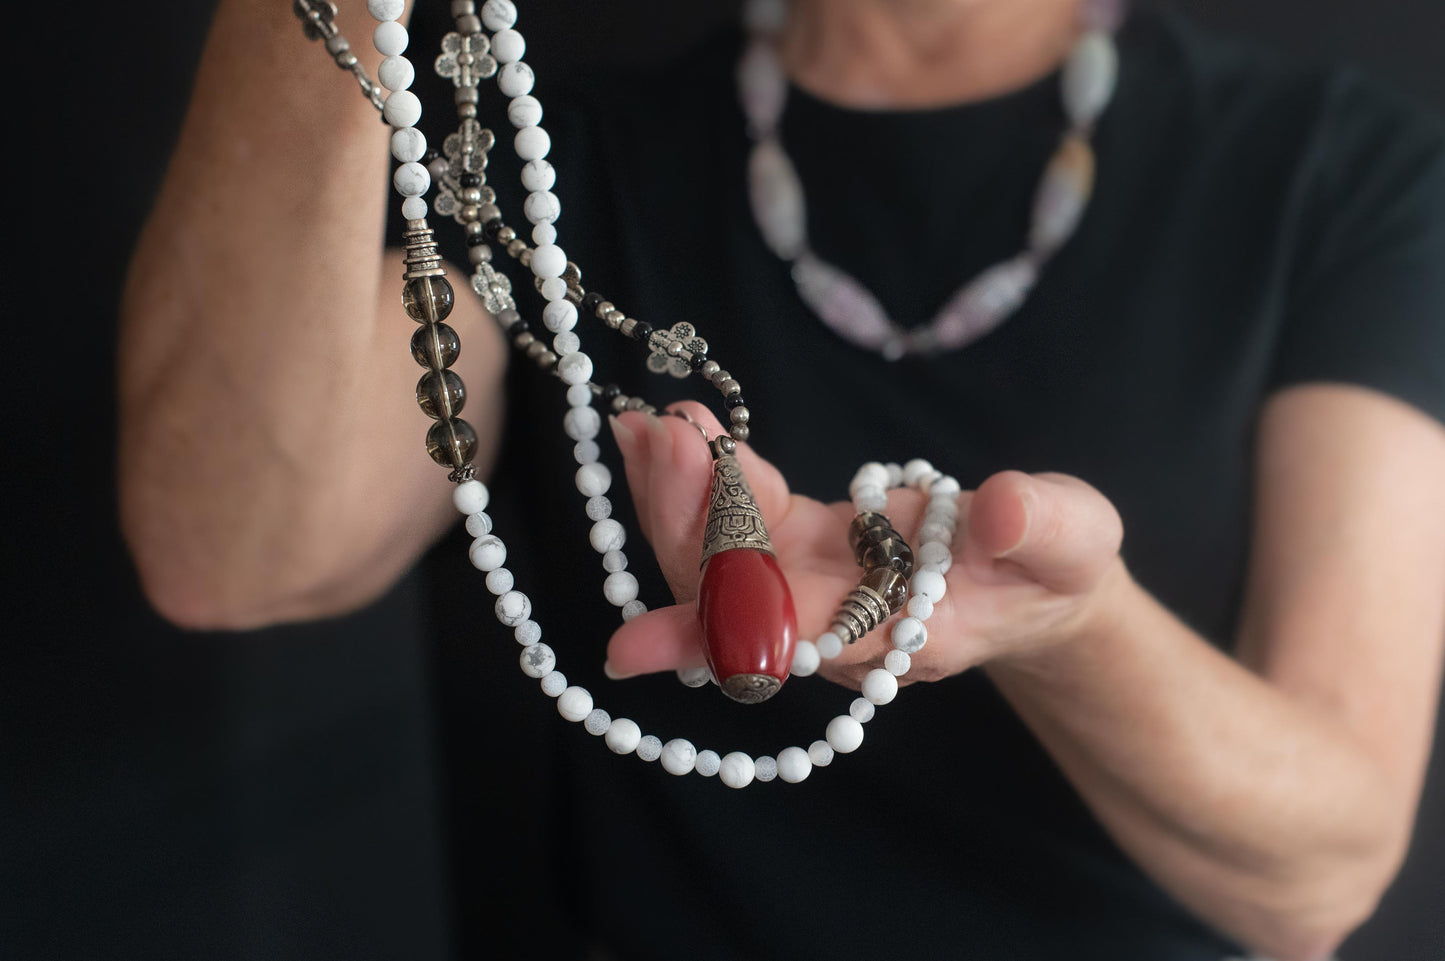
{"points": [[1192, 362]]}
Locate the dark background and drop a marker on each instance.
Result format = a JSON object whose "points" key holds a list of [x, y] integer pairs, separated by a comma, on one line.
{"points": [[277, 794]]}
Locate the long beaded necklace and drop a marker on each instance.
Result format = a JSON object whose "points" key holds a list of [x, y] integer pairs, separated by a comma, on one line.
{"points": [[847, 307], [736, 545]]}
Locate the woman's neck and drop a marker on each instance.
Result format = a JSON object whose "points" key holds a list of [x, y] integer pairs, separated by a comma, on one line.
{"points": [[923, 53]]}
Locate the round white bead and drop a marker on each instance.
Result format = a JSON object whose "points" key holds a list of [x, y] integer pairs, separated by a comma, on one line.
{"points": [[737, 769], [612, 561], [920, 607], [593, 479], [805, 659], [408, 144], [471, 497], [579, 395], [537, 660], [413, 208], [844, 734], [559, 316], [607, 535], [500, 581], [499, 15], [793, 765], [513, 607], [586, 452], [597, 722], [582, 423], [909, 635], [820, 754], [524, 111], [678, 756], [694, 676], [574, 368], [479, 524], [549, 260], [623, 735], [897, 662], [386, 9], [765, 768], [929, 584], [871, 474], [532, 143], [880, 686], [916, 470], [944, 487], [829, 645], [619, 588], [870, 498], [553, 288], [402, 108], [708, 763], [544, 234], [411, 180], [554, 684], [649, 748], [487, 553], [935, 555], [528, 633], [538, 175], [633, 609], [515, 79], [575, 703], [541, 207], [861, 710], [508, 46], [396, 73], [390, 39]]}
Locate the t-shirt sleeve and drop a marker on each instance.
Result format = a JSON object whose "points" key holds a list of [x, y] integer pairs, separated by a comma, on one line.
{"points": [[1367, 297]]}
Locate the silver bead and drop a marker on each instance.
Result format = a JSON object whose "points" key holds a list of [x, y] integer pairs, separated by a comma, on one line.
{"points": [[739, 431], [603, 308], [488, 213], [709, 368], [740, 415], [718, 376], [467, 95], [730, 387]]}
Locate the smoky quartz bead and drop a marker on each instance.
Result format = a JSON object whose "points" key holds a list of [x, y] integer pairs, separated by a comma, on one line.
{"points": [[435, 346], [861, 526], [891, 552], [451, 442], [428, 299], [891, 585], [440, 394]]}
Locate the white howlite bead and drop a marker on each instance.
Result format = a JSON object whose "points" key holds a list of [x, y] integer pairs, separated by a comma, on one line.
{"points": [[649, 748], [929, 584], [765, 768], [479, 524], [909, 635], [633, 609], [537, 660], [694, 676], [487, 553], [508, 46], [597, 722], [934, 531], [869, 498], [499, 582], [513, 608], [600, 508], [619, 588], [829, 645], [579, 395], [566, 343], [390, 39], [844, 734], [607, 535], [532, 143], [920, 607], [612, 561], [411, 180], [897, 662], [396, 73], [553, 288], [623, 735], [871, 474], [806, 659], [386, 9], [736, 769], [586, 452], [524, 111], [499, 14], [544, 234], [861, 710], [708, 763], [413, 208], [679, 756], [538, 175], [554, 684], [549, 260], [593, 479], [575, 368], [528, 633], [582, 423], [1089, 77], [401, 109], [915, 470], [408, 145], [559, 316], [942, 508], [895, 474], [575, 703], [541, 207], [944, 487], [471, 497], [820, 754], [515, 79], [880, 686], [793, 765], [935, 555]]}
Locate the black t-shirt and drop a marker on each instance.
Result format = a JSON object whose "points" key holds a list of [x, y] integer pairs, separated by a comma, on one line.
{"points": [[1253, 226]]}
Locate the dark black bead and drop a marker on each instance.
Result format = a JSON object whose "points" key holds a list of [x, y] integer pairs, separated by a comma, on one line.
{"points": [[611, 392], [736, 400], [435, 345], [492, 227], [642, 331], [590, 301], [476, 240], [696, 361], [471, 180], [517, 327]]}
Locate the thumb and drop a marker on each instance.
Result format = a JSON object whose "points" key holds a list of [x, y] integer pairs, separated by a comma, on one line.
{"points": [[1052, 528]]}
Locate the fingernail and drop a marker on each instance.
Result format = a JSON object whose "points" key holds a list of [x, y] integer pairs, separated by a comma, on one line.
{"points": [[1025, 498], [626, 439], [612, 673]]}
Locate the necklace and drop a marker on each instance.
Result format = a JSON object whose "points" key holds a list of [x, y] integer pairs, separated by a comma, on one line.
{"points": [[847, 307], [736, 541]]}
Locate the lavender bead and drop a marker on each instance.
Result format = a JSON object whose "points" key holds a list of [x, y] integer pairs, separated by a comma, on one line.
{"points": [[1089, 77], [777, 199], [1062, 196]]}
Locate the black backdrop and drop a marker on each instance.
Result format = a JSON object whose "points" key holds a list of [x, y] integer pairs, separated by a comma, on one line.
{"points": [[276, 794]]}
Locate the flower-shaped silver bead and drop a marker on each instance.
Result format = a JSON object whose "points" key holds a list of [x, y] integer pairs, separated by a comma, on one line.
{"points": [[494, 288], [466, 153], [466, 60], [671, 349]]}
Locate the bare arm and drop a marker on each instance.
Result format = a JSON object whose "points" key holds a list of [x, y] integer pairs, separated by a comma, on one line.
{"points": [[271, 455]]}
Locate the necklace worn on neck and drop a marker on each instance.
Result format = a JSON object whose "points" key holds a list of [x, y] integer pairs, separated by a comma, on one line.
{"points": [[847, 307], [742, 585]]}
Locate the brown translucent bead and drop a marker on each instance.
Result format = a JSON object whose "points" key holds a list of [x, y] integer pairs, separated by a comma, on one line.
{"points": [[440, 394], [435, 346], [428, 299], [890, 584], [863, 526], [451, 442], [891, 552]]}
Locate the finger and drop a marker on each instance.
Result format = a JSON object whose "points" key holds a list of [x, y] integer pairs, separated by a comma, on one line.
{"points": [[1053, 528], [770, 489], [662, 640]]}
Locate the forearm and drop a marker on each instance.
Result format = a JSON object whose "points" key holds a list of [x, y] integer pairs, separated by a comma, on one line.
{"points": [[1262, 815]]}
